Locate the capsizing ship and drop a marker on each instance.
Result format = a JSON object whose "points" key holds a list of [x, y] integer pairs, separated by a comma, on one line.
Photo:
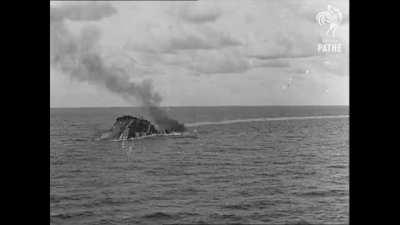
{"points": [[129, 127]]}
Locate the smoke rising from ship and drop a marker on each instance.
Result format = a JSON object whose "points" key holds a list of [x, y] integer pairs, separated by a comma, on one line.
{"points": [[80, 57]]}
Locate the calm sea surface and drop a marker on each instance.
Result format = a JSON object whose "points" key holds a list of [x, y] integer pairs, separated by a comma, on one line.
{"points": [[248, 165]]}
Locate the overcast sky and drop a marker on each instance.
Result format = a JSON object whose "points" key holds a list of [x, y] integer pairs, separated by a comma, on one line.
{"points": [[260, 52]]}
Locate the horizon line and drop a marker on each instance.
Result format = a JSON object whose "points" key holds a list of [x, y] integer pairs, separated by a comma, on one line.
{"points": [[176, 106]]}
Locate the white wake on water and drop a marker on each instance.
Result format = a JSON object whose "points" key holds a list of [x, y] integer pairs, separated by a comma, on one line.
{"points": [[196, 124], [171, 135]]}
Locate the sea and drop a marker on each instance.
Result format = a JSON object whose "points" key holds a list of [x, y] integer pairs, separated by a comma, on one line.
{"points": [[241, 165]]}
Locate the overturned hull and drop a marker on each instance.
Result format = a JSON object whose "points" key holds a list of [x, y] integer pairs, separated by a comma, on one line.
{"points": [[129, 127]]}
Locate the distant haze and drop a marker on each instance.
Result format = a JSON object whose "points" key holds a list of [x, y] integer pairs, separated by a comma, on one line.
{"points": [[199, 53]]}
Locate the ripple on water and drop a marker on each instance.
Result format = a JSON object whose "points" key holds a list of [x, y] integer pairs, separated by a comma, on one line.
{"points": [[167, 215], [273, 172]]}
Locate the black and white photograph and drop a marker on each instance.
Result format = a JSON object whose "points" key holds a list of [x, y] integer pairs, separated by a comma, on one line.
{"points": [[199, 112]]}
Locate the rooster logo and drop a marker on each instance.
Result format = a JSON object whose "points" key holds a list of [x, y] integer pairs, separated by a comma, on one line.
{"points": [[332, 16]]}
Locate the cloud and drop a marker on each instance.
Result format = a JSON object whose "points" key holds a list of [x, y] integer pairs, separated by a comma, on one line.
{"points": [[197, 12], [204, 61], [285, 45], [200, 38], [280, 56], [206, 40], [337, 65], [227, 62], [192, 46], [273, 63], [309, 9], [219, 49], [218, 64], [300, 71], [199, 15], [217, 61], [82, 12], [268, 40]]}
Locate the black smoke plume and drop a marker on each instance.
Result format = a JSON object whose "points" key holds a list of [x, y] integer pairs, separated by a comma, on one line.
{"points": [[79, 57]]}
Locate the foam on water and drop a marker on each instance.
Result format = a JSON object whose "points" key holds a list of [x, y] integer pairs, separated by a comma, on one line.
{"points": [[263, 119], [172, 134]]}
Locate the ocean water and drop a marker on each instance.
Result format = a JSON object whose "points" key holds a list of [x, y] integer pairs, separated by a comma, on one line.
{"points": [[246, 165]]}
